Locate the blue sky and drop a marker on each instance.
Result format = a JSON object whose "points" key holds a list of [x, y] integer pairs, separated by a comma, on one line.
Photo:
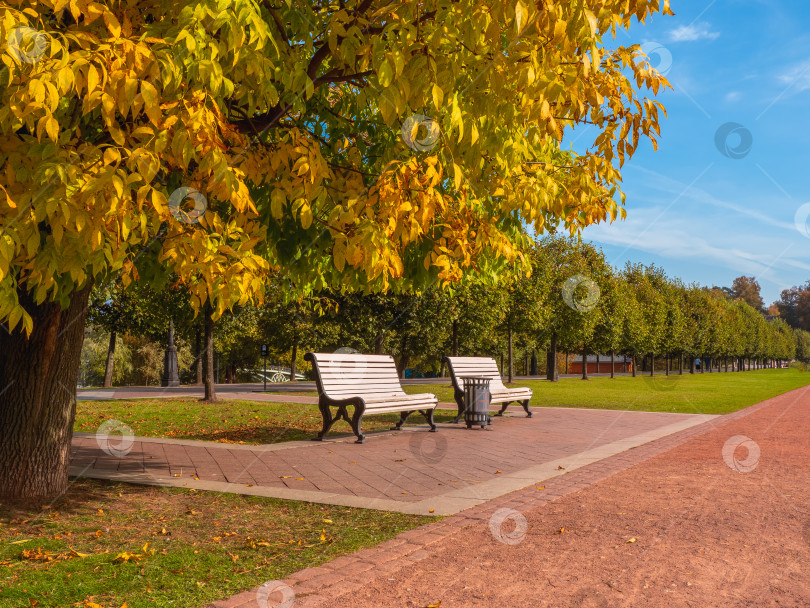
{"points": [[704, 215]]}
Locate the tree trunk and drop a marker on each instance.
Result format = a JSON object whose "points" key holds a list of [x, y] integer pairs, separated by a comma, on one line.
{"points": [[667, 365], [584, 364], [652, 364], [511, 360], [404, 357], [199, 354], [633, 364], [551, 360], [210, 384], [293, 360], [108, 368], [691, 364], [38, 376], [680, 364], [455, 337], [567, 359], [597, 363], [612, 364]]}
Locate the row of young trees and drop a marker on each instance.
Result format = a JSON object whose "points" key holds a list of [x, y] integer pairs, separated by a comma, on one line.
{"points": [[571, 301]]}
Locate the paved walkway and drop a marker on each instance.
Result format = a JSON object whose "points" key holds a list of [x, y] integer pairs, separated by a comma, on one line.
{"points": [[411, 471], [712, 515]]}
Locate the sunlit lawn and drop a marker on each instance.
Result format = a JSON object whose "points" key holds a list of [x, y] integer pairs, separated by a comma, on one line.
{"points": [[715, 393], [110, 543], [231, 421]]}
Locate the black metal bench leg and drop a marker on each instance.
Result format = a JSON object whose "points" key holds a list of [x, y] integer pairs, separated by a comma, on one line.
{"points": [[357, 418], [403, 416], [428, 414], [525, 405], [328, 421], [503, 408]]}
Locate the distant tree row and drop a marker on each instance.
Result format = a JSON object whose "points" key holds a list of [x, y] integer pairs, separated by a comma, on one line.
{"points": [[565, 299]]}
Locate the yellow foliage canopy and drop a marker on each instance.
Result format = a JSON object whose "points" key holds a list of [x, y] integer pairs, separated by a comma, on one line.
{"points": [[365, 144]]}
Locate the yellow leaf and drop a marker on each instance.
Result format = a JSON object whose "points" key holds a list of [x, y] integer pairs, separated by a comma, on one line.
{"points": [[438, 95], [112, 24], [520, 15]]}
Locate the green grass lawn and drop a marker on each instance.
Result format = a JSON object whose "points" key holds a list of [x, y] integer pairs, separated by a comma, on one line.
{"points": [[715, 393], [110, 543], [227, 421]]}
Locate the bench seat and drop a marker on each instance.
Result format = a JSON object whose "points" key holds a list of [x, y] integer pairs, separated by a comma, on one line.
{"points": [[370, 384], [485, 367]]}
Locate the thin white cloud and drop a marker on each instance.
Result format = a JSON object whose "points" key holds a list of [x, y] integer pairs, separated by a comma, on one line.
{"points": [[764, 257], [690, 33], [798, 76]]}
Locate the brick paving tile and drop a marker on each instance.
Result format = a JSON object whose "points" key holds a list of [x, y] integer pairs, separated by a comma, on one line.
{"points": [[308, 573]]}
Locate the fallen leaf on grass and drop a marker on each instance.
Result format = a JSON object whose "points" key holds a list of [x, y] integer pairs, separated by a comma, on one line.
{"points": [[125, 557], [190, 511], [328, 521]]}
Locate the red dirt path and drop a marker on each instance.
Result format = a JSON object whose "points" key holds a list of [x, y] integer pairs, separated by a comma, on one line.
{"points": [[705, 534]]}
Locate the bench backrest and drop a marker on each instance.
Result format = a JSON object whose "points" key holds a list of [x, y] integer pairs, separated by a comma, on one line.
{"points": [[481, 367], [344, 375]]}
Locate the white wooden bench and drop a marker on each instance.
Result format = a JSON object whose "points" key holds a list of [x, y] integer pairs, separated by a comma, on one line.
{"points": [[370, 383], [485, 367]]}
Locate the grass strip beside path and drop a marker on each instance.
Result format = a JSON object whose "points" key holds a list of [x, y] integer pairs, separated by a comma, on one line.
{"points": [[715, 393], [110, 543], [226, 421]]}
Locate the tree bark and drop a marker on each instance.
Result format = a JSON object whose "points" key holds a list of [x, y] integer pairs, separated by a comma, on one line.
{"points": [[551, 360], [584, 364], [612, 364], [680, 364], [293, 365], [199, 354], [511, 360], [652, 364], [38, 377], [633, 365], [404, 357], [210, 384], [108, 368]]}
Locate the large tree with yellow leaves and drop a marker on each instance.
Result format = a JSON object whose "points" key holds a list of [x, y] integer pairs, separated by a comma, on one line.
{"points": [[353, 144]]}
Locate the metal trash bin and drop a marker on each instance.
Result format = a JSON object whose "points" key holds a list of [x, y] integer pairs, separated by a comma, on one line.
{"points": [[476, 401]]}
